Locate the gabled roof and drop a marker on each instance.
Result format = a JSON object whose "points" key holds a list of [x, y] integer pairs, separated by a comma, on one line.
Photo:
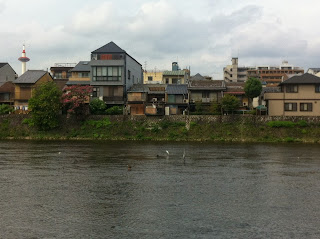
{"points": [[197, 77], [207, 84], [302, 79], [2, 64], [82, 66], [30, 77], [138, 88], [111, 47], [235, 87], [177, 89], [174, 73]]}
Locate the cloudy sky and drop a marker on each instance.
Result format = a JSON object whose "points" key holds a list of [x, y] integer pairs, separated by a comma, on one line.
{"points": [[202, 34]]}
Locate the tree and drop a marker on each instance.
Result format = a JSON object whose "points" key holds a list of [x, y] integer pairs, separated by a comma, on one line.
{"points": [[5, 109], [97, 107], [253, 88], [45, 106], [229, 103], [75, 99]]}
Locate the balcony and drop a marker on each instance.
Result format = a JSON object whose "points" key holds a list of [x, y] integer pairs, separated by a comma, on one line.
{"points": [[113, 99]]}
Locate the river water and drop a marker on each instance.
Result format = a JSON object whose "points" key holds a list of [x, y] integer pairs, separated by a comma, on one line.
{"points": [[65, 189]]}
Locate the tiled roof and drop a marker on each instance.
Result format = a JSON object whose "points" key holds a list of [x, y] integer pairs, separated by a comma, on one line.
{"points": [[235, 87], [270, 90], [302, 79], [3, 64], [315, 69], [30, 76], [207, 84], [111, 47], [174, 73], [197, 77], [83, 66], [138, 88], [177, 89]]}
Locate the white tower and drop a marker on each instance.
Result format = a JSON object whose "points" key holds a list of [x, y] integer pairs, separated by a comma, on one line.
{"points": [[24, 59]]}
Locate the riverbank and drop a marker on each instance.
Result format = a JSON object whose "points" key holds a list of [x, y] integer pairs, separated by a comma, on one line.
{"points": [[179, 128]]}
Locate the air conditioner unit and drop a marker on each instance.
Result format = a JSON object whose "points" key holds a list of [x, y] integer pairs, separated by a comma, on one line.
{"points": [[162, 99], [154, 99], [244, 104], [185, 100], [100, 97]]}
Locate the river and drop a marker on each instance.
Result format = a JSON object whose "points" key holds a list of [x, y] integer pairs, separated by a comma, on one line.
{"points": [[79, 189]]}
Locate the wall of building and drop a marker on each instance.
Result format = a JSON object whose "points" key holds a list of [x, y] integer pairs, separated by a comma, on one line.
{"points": [[156, 77], [135, 69]]}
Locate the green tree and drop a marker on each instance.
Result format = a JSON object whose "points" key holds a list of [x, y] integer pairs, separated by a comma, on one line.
{"points": [[5, 109], [45, 106], [115, 110], [252, 88], [229, 103], [215, 108], [97, 107]]}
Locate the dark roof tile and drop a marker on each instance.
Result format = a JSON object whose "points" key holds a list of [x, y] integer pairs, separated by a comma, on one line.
{"points": [[111, 47], [30, 76], [302, 79]]}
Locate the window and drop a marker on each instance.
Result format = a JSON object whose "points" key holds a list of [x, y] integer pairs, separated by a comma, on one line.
{"points": [[205, 94], [317, 87], [167, 80], [150, 78], [290, 106], [57, 75], [106, 73], [291, 88], [95, 92], [83, 74], [305, 106]]}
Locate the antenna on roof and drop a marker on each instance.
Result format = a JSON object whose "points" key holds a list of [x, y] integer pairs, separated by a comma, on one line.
{"points": [[145, 66]]}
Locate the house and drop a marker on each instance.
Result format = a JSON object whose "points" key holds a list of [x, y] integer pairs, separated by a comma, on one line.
{"points": [[176, 75], [136, 99], [177, 99], [61, 73], [205, 91], [113, 72], [313, 71], [80, 74], [7, 76], [148, 99], [298, 96], [237, 89], [152, 77], [26, 84]]}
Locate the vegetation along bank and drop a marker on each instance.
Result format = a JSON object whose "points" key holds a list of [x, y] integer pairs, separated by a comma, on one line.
{"points": [[232, 128]]}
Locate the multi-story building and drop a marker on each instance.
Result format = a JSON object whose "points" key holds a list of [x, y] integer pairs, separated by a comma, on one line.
{"points": [[80, 74], [273, 75], [113, 72], [25, 86], [152, 77], [234, 73], [61, 72], [299, 96], [7, 76], [176, 75]]}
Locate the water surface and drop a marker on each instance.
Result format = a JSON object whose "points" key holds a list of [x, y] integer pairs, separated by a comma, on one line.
{"points": [[76, 189]]}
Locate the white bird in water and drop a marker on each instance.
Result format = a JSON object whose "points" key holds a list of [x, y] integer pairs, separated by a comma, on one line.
{"points": [[184, 154], [59, 153], [167, 152]]}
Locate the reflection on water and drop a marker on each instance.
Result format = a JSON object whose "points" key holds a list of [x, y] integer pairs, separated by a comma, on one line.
{"points": [[84, 190]]}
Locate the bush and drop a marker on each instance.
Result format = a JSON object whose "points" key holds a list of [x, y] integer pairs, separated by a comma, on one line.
{"points": [[302, 123], [5, 109], [97, 107], [281, 124], [115, 110]]}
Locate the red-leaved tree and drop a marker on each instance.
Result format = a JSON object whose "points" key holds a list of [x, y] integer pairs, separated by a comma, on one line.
{"points": [[75, 99]]}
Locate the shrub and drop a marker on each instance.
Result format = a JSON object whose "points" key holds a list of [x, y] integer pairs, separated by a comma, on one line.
{"points": [[97, 107], [281, 124], [5, 109], [114, 110], [302, 123]]}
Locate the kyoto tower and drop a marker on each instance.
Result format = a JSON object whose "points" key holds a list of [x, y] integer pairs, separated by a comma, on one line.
{"points": [[24, 60]]}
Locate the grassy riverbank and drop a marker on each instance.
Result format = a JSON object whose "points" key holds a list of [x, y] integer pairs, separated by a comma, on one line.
{"points": [[163, 130]]}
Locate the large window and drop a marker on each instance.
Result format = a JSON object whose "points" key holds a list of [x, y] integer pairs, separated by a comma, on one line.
{"points": [[290, 106], [106, 73], [95, 92], [150, 78], [317, 88], [83, 74], [291, 88], [305, 106]]}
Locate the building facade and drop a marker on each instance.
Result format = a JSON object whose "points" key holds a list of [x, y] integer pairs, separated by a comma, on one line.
{"points": [[234, 73], [113, 72], [299, 96]]}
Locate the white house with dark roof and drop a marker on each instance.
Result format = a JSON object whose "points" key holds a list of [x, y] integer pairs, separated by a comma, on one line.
{"points": [[113, 72]]}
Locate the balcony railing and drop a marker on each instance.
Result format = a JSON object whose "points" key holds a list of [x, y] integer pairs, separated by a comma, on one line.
{"points": [[113, 98]]}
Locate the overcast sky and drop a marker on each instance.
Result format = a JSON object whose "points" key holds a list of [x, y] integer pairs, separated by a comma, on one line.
{"points": [[202, 34]]}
